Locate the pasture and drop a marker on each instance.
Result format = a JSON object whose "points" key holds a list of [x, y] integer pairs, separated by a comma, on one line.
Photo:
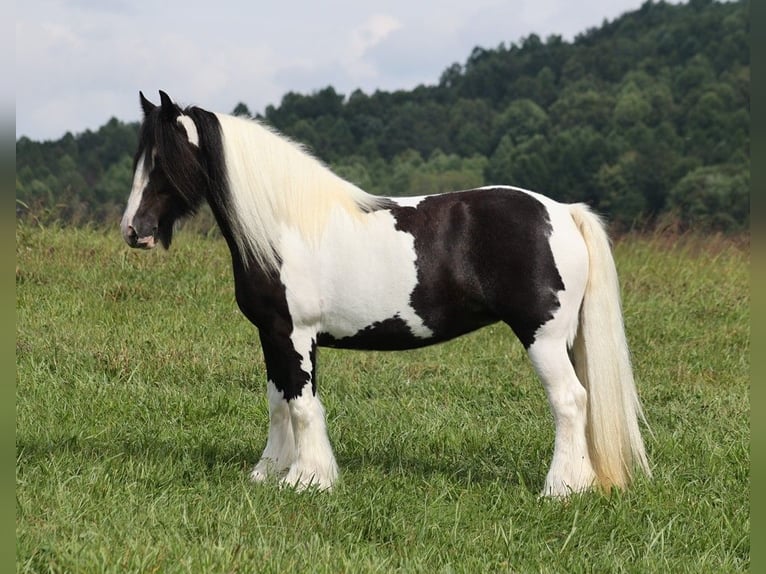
{"points": [[141, 408]]}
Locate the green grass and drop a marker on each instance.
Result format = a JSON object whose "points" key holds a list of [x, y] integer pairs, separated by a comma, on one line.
{"points": [[140, 408]]}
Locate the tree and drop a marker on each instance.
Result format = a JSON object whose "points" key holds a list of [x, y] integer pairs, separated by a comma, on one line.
{"points": [[521, 120], [619, 192], [525, 165], [631, 107], [583, 104], [575, 157], [631, 116], [470, 127], [715, 197], [420, 127], [241, 110]]}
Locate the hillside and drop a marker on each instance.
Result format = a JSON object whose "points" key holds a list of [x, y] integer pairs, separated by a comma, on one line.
{"points": [[645, 118]]}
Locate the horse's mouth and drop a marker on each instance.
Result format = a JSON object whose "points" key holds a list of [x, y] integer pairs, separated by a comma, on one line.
{"points": [[148, 242], [137, 241]]}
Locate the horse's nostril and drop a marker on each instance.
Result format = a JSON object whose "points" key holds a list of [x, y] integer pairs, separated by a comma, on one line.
{"points": [[131, 235]]}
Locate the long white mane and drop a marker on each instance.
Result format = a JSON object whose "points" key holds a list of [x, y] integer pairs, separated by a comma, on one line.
{"points": [[275, 183]]}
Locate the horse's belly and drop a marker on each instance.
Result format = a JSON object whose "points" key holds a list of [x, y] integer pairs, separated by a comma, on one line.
{"points": [[378, 313], [391, 334], [394, 333]]}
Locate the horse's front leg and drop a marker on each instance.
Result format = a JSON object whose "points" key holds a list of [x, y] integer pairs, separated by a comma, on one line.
{"points": [[297, 417], [280, 445]]}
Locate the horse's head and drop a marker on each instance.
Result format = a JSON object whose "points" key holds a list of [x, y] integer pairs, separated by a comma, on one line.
{"points": [[169, 179]]}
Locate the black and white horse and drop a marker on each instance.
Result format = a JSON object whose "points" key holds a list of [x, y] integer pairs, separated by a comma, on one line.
{"points": [[319, 262]]}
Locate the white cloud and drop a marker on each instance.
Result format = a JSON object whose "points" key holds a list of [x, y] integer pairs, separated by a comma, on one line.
{"points": [[79, 62], [373, 31]]}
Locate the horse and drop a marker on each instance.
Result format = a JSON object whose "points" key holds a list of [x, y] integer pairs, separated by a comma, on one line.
{"points": [[318, 262]]}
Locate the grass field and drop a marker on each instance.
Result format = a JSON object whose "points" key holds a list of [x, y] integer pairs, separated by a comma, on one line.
{"points": [[140, 408]]}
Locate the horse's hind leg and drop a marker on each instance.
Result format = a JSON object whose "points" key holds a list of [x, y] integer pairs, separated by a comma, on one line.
{"points": [[280, 445], [571, 469]]}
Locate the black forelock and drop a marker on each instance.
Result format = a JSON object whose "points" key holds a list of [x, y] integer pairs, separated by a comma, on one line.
{"points": [[160, 133], [211, 154], [196, 173]]}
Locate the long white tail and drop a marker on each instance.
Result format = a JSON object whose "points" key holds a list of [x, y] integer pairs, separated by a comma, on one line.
{"points": [[602, 363]]}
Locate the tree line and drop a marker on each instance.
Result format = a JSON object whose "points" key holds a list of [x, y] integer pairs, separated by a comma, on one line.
{"points": [[645, 118]]}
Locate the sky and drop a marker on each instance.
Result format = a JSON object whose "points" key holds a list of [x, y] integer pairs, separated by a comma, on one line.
{"points": [[81, 62]]}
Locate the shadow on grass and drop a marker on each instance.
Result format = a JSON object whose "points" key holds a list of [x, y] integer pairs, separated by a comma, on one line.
{"points": [[197, 458], [479, 467]]}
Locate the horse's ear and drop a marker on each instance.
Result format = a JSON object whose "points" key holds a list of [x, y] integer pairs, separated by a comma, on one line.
{"points": [[146, 105], [169, 109], [165, 100]]}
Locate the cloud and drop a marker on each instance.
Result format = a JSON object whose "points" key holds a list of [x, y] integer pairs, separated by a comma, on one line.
{"points": [[91, 68], [343, 63], [416, 53], [371, 33], [105, 6], [79, 62]]}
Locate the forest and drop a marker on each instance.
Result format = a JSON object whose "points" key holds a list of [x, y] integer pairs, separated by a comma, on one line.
{"points": [[645, 118]]}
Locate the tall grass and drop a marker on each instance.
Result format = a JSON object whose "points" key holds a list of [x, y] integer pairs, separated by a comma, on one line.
{"points": [[140, 407]]}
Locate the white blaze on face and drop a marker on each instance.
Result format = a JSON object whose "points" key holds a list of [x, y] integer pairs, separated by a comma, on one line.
{"points": [[140, 181]]}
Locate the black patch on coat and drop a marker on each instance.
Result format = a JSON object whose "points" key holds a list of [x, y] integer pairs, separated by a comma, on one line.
{"points": [[482, 256], [388, 335]]}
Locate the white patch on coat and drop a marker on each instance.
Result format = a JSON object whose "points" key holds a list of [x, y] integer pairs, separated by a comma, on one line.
{"points": [[191, 129], [140, 180], [571, 257], [361, 272], [408, 201]]}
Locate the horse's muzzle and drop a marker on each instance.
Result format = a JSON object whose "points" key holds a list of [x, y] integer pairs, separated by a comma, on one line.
{"points": [[133, 238]]}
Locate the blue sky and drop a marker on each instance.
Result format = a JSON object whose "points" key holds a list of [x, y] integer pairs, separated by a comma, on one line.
{"points": [[80, 62]]}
